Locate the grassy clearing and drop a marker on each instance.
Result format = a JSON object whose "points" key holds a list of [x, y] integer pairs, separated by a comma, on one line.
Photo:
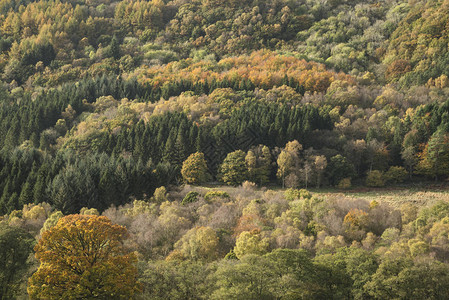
{"points": [[395, 196], [420, 196]]}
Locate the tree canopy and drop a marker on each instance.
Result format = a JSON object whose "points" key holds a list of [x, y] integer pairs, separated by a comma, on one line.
{"points": [[83, 256], [15, 246]]}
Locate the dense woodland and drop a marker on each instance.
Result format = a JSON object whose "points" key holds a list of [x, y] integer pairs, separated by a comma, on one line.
{"points": [[104, 102], [240, 243]]}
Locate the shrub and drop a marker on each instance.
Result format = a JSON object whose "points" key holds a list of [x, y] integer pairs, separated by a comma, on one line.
{"points": [[160, 194], [190, 198], [215, 194], [248, 185], [89, 211], [293, 194]]}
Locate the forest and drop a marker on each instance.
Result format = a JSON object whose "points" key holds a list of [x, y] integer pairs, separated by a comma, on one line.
{"points": [[201, 134]]}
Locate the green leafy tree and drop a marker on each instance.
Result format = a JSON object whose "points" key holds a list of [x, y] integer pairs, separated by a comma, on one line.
{"points": [[250, 243], [160, 194], [251, 164], [15, 248], [199, 243], [175, 280], [295, 273], [339, 168], [248, 278], [410, 158], [190, 198], [375, 178], [285, 164], [258, 162], [320, 165], [396, 174], [434, 160], [194, 169], [115, 48], [265, 166], [52, 220], [357, 267], [233, 170]]}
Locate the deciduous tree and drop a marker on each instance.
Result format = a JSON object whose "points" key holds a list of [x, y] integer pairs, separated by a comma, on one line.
{"points": [[83, 257], [435, 157], [285, 163], [233, 170], [194, 169], [15, 247]]}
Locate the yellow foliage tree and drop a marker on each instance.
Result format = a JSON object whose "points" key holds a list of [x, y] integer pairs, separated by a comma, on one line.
{"points": [[250, 243], [285, 163], [199, 243], [194, 169], [83, 257]]}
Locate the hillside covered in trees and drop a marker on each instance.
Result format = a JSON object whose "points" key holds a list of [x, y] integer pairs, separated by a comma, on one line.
{"points": [[105, 102], [232, 243]]}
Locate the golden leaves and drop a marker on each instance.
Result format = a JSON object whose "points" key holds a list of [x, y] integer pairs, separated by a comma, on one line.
{"points": [[83, 257]]}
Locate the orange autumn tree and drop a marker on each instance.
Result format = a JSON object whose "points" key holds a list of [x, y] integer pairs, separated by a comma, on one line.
{"points": [[83, 257]]}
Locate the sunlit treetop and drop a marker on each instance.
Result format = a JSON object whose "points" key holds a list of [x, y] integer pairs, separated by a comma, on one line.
{"points": [[83, 257]]}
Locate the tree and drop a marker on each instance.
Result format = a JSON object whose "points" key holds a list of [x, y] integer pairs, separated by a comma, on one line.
{"points": [[320, 165], [233, 170], [251, 164], [357, 266], [375, 178], [295, 148], [51, 221], [434, 160], [401, 277], [308, 168], [355, 150], [396, 174], [355, 222], [199, 243], [15, 247], [339, 168], [265, 165], [160, 194], [83, 257], [194, 169], [376, 154], [410, 158], [295, 274], [115, 48], [26, 195], [250, 243], [173, 279], [258, 162], [285, 163], [248, 278]]}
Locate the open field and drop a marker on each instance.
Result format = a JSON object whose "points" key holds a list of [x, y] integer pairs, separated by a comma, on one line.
{"points": [[395, 196], [421, 196]]}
